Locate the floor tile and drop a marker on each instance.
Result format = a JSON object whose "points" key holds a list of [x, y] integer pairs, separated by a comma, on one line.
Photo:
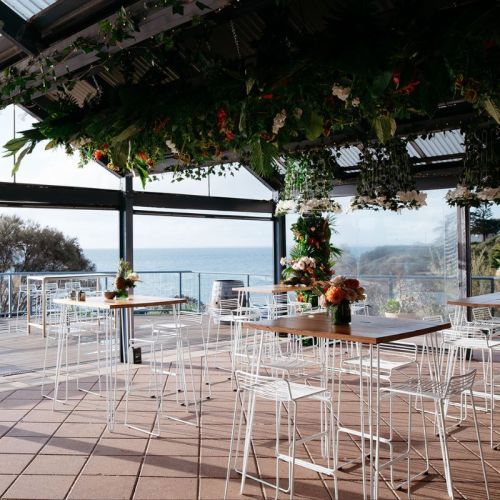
{"points": [[56, 464], [168, 466], [71, 429], [127, 465], [130, 446], [69, 446], [14, 464], [34, 429], [5, 481], [30, 487], [24, 444], [166, 489], [102, 487]]}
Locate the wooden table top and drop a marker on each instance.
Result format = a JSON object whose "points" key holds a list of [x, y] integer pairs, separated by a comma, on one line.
{"points": [[488, 300], [273, 289], [364, 329], [131, 302]]}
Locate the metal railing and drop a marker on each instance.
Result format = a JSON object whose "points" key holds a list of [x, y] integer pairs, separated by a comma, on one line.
{"points": [[197, 286]]}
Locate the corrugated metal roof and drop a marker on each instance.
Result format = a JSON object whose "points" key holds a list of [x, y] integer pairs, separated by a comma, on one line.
{"points": [[441, 144], [28, 8]]}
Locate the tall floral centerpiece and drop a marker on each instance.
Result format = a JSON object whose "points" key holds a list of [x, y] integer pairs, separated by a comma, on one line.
{"points": [[337, 296], [312, 256], [125, 279]]}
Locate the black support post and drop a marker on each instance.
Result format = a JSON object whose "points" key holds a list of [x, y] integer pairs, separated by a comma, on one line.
{"points": [[464, 253], [279, 246], [127, 222], [127, 253]]}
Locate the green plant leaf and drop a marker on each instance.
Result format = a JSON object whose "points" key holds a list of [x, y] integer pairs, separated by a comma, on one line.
{"points": [[380, 82], [14, 145], [313, 124], [384, 127], [125, 134], [51, 144], [492, 109], [262, 156]]}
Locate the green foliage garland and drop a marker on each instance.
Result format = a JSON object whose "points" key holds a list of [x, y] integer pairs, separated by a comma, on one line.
{"points": [[336, 81]]}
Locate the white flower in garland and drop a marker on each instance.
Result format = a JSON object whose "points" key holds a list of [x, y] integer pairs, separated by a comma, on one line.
{"points": [[489, 194], [412, 199], [279, 121], [340, 92], [286, 207], [319, 204], [459, 194], [173, 148]]}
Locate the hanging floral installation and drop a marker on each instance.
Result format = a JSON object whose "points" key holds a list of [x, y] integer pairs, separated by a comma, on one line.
{"points": [[480, 179], [252, 108], [309, 177], [386, 181]]}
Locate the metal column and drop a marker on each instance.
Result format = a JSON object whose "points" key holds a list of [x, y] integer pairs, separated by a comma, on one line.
{"points": [[126, 324], [279, 246], [464, 252], [464, 256]]}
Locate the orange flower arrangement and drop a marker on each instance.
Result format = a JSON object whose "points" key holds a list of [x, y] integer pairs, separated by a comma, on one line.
{"points": [[341, 288]]}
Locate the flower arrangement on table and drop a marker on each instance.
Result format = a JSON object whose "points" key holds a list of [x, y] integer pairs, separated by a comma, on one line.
{"points": [[125, 279], [337, 296]]}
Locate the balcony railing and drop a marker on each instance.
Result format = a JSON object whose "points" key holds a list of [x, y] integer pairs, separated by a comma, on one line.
{"points": [[426, 293]]}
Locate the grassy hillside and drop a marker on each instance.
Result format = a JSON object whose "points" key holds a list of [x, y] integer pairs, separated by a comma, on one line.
{"points": [[396, 260]]}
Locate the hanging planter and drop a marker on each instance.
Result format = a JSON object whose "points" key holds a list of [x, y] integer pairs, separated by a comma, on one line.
{"points": [[309, 179], [480, 179], [386, 181]]}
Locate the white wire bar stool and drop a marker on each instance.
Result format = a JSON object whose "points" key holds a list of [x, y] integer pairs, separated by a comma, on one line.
{"points": [[472, 338], [87, 328], [393, 360], [171, 337], [282, 392], [440, 393]]}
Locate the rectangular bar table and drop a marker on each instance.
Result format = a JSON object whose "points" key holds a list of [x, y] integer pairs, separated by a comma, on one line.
{"points": [[43, 279], [368, 330], [109, 307], [487, 300]]}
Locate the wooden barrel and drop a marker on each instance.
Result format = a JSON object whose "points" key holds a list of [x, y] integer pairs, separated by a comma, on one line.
{"points": [[223, 290]]}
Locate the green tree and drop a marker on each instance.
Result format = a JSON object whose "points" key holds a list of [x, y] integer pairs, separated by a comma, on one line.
{"points": [[26, 246], [483, 223]]}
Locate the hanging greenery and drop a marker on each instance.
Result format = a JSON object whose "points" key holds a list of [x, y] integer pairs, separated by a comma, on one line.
{"points": [[309, 177], [385, 180], [480, 178], [251, 109]]}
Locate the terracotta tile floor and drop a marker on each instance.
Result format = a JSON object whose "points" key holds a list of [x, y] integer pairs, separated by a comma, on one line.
{"points": [[70, 454]]}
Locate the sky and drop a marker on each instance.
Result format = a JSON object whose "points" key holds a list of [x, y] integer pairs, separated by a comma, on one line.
{"points": [[99, 229]]}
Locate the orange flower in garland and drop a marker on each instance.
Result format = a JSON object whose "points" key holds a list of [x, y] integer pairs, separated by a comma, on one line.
{"points": [[99, 154]]}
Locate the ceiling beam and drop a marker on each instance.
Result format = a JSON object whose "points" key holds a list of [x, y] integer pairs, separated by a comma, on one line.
{"points": [[152, 23], [195, 202], [34, 195], [18, 31], [14, 194]]}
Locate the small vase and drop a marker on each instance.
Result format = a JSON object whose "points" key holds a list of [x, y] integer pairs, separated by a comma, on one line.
{"points": [[341, 313], [121, 294]]}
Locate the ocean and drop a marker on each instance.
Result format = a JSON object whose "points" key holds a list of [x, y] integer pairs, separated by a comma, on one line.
{"points": [[158, 268]]}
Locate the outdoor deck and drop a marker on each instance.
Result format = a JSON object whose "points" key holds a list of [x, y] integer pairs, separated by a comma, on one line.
{"points": [[69, 454]]}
